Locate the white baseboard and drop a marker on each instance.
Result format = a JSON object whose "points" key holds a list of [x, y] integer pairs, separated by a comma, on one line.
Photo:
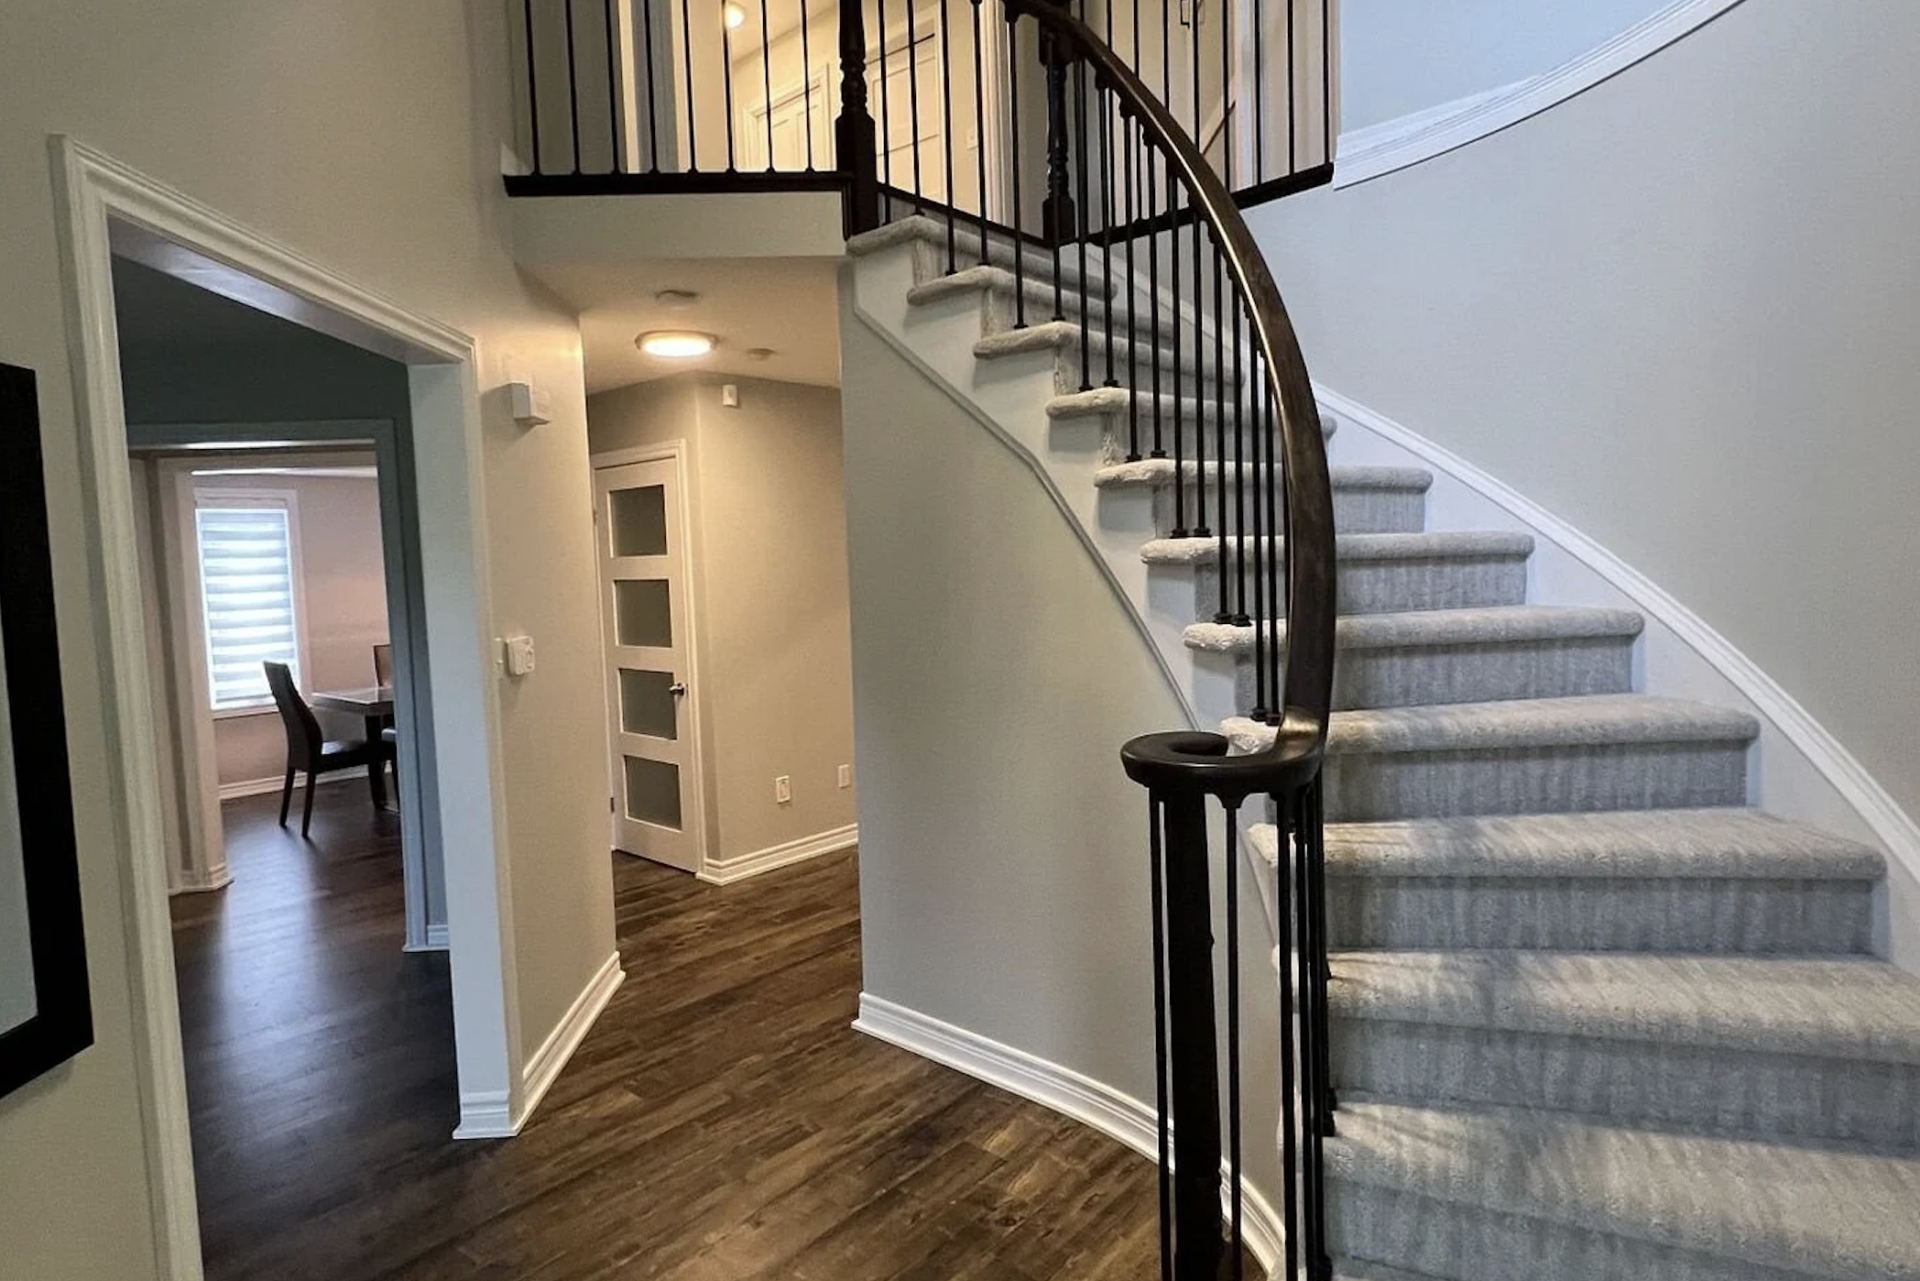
{"points": [[1116, 1115], [262, 786], [201, 880], [543, 1068], [491, 1114], [436, 940], [723, 872]]}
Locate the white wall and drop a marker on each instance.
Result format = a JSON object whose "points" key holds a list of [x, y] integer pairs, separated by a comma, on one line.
{"points": [[345, 593], [770, 572], [379, 158], [1678, 312], [1401, 56]]}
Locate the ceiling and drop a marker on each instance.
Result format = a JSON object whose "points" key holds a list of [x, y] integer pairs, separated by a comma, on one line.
{"points": [[787, 304]]}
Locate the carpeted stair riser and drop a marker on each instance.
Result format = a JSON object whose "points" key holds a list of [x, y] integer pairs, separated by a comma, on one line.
{"points": [[929, 241], [1455, 1242], [1425, 675], [1062, 340], [1592, 914], [1608, 776], [1356, 509], [1696, 1089], [1400, 586], [1122, 407]]}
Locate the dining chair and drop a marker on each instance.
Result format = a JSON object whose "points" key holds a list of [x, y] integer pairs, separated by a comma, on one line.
{"points": [[310, 750], [383, 665]]}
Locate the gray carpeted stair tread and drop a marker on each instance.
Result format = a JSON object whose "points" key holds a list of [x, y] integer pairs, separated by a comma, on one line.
{"points": [[1355, 1270], [1843, 1216], [1709, 844], [1443, 545], [1160, 472], [994, 286], [1062, 339], [1854, 1008], [931, 234], [1591, 720], [1099, 402], [1491, 625]]}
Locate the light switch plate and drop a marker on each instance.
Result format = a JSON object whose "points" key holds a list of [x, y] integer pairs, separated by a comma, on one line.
{"points": [[729, 396]]}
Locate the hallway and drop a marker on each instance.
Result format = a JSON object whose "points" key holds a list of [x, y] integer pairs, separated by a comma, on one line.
{"points": [[722, 1123]]}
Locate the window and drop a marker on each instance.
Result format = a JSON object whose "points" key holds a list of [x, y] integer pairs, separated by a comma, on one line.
{"points": [[249, 592]]}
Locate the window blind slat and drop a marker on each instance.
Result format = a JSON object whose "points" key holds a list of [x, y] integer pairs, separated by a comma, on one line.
{"points": [[246, 587]]}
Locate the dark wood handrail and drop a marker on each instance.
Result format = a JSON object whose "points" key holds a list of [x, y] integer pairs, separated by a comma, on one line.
{"points": [[1199, 761]]}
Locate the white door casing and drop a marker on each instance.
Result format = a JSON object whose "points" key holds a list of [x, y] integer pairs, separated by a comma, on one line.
{"points": [[640, 517]]}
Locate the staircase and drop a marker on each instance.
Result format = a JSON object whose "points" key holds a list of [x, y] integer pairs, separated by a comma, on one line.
{"points": [[1592, 1015]]}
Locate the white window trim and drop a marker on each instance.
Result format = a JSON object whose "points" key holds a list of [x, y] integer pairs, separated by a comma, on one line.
{"points": [[228, 496]]}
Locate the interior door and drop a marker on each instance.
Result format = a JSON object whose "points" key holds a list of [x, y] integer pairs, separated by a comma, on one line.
{"points": [[902, 131], [645, 626]]}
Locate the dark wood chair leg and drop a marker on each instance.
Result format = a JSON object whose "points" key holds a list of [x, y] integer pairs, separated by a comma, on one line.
{"points": [[286, 796], [306, 814]]}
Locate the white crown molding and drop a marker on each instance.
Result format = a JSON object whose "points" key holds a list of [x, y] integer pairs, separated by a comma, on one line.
{"points": [[726, 871], [1396, 144], [1115, 1114], [1890, 824]]}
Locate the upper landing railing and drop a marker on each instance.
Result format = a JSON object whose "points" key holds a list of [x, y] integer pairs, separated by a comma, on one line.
{"points": [[713, 95]]}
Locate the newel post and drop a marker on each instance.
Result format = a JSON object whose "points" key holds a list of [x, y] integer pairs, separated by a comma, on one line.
{"points": [[853, 132]]}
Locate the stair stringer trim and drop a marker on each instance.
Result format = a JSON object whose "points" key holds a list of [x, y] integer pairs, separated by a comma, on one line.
{"points": [[1802, 771]]}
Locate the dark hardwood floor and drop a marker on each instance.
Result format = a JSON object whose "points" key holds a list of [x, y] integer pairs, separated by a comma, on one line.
{"points": [[722, 1122]]}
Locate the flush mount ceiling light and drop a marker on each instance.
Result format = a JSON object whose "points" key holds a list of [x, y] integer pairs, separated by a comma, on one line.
{"points": [[675, 344], [735, 16]]}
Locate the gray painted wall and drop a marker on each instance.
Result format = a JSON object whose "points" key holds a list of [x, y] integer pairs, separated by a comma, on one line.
{"points": [[1400, 56], [1678, 311]]}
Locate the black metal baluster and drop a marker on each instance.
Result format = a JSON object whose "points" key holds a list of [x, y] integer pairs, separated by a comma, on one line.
{"points": [[1081, 204], [1326, 81], [1152, 188], [1310, 1169], [1226, 89], [1225, 614], [980, 122], [1244, 476], [886, 101], [1157, 880], [686, 53], [1166, 51], [1276, 495], [1056, 210], [533, 90], [573, 88], [806, 83], [946, 135], [913, 98], [726, 71], [1128, 142], [613, 94], [1200, 528], [1236, 1228], [1105, 109], [766, 79], [653, 98], [1293, 96], [1288, 817], [1179, 401], [1013, 130], [1259, 96], [1263, 549]]}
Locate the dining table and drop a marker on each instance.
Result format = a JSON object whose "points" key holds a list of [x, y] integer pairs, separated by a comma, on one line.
{"points": [[374, 705]]}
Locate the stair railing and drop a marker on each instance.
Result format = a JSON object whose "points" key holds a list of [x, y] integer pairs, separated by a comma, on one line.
{"points": [[1125, 249]]}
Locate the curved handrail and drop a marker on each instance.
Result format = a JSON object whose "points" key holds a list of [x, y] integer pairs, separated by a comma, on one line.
{"points": [[1198, 762]]}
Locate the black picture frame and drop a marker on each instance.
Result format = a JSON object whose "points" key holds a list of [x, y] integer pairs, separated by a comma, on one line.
{"points": [[62, 1023]]}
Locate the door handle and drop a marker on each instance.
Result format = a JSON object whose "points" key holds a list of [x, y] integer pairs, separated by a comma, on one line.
{"points": [[678, 689]]}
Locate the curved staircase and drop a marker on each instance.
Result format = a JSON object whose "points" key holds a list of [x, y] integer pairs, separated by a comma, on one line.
{"points": [[1593, 1015]]}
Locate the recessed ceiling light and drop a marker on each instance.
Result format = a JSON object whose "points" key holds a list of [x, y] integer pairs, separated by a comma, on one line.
{"points": [[735, 16], [675, 344], [676, 299]]}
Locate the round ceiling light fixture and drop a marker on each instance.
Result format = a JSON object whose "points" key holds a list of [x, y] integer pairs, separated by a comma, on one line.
{"points": [[676, 344], [735, 16]]}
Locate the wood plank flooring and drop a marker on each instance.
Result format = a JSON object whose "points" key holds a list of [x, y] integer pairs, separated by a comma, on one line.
{"points": [[723, 1122]]}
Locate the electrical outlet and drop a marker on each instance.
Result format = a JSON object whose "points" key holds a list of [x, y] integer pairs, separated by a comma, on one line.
{"points": [[846, 776], [783, 790]]}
